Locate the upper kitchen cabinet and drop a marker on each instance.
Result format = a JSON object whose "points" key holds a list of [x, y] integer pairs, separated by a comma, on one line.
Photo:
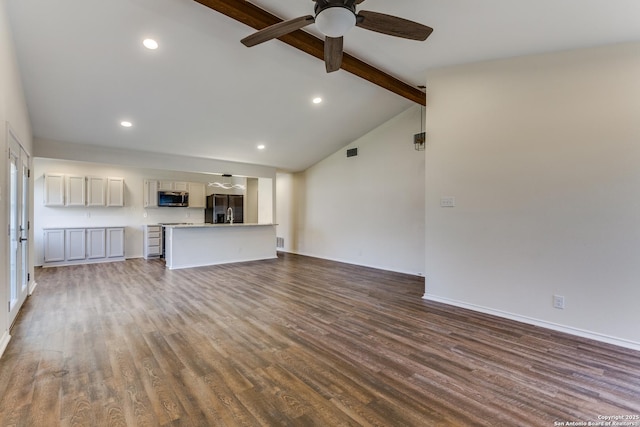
{"points": [[115, 192], [165, 185], [80, 191], [54, 189], [196, 190], [96, 194], [150, 193], [197, 195], [75, 191], [172, 185], [181, 186]]}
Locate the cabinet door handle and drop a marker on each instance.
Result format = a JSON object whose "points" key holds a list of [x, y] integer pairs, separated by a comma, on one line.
{"points": [[23, 239]]}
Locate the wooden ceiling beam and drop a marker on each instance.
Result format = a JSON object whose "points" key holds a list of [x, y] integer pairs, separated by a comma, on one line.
{"points": [[255, 17]]}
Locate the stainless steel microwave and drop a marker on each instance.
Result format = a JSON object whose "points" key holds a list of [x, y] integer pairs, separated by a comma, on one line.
{"points": [[174, 199]]}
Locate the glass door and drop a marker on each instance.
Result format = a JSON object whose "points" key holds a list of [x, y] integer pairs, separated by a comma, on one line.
{"points": [[18, 226], [24, 222]]}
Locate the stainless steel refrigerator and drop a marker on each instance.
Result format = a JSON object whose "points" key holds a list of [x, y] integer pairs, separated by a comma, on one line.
{"points": [[217, 206]]}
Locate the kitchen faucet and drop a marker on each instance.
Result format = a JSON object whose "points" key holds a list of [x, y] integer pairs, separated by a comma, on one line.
{"points": [[230, 215]]}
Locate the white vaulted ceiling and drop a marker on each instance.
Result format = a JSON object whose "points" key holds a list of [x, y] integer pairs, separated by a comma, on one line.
{"points": [[202, 93]]}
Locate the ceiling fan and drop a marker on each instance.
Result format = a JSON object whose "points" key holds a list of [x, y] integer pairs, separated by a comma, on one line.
{"points": [[334, 18]]}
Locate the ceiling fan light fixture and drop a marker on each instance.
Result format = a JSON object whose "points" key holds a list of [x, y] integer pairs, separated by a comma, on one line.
{"points": [[335, 21]]}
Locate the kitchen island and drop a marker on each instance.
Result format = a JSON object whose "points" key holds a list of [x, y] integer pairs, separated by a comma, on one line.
{"points": [[196, 245]]}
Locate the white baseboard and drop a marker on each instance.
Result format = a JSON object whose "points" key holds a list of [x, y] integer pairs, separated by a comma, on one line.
{"points": [[4, 342], [537, 322], [32, 287], [82, 261], [352, 262]]}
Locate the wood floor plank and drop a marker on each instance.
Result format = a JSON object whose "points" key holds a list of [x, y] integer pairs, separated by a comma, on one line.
{"points": [[18, 393], [45, 404], [136, 405], [295, 341]]}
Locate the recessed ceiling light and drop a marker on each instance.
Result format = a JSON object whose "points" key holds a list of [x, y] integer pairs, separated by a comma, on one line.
{"points": [[261, 147], [126, 124], [150, 44], [317, 100]]}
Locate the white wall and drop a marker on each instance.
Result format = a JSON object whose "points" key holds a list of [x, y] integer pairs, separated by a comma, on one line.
{"points": [[251, 201], [542, 154], [286, 211], [265, 200], [366, 210], [13, 113]]}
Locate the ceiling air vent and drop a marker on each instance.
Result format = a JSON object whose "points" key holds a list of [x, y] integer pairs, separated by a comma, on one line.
{"points": [[352, 152]]}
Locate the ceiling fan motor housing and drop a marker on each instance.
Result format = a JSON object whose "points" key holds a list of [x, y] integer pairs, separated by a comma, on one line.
{"points": [[335, 17]]}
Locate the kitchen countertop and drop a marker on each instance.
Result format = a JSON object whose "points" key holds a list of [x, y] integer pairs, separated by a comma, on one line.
{"points": [[87, 227], [206, 225]]}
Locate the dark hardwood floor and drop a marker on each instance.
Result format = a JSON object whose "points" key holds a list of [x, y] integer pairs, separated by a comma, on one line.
{"points": [[295, 341]]}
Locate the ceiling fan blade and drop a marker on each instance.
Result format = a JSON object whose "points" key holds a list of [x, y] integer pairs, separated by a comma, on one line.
{"points": [[392, 25], [277, 30], [333, 53], [356, 1]]}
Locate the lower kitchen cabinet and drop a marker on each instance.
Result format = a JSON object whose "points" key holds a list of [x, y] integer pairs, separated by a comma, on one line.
{"points": [[115, 242], [152, 241], [96, 243], [76, 244], [67, 246], [54, 245]]}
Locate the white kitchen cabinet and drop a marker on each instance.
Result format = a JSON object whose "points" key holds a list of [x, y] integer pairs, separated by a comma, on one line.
{"points": [[96, 191], [54, 189], [115, 191], [68, 246], [197, 195], [115, 242], [54, 245], [152, 241], [165, 185], [96, 243], [196, 190], [180, 186], [150, 193], [75, 190], [75, 247]]}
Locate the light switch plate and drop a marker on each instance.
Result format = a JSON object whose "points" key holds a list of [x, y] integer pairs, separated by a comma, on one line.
{"points": [[558, 302], [447, 202]]}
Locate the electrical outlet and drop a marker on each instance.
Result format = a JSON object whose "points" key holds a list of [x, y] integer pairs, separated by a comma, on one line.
{"points": [[447, 202], [558, 302]]}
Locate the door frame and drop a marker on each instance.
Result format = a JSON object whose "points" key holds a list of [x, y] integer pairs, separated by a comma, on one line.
{"points": [[19, 239]]}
